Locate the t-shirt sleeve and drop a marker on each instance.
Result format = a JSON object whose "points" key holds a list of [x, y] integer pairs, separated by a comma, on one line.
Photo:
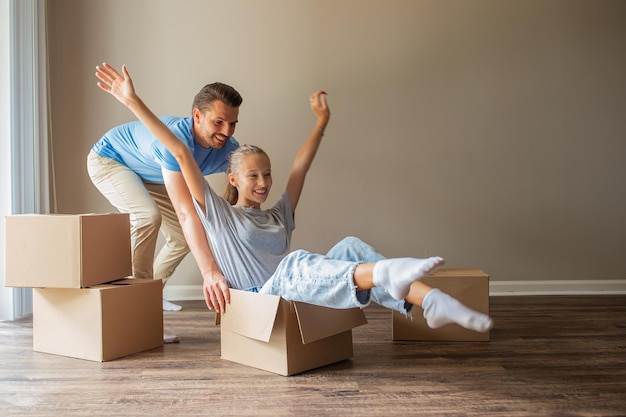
{"points": [[283, 206], [164, 157], [215, 206], [181, 128]]}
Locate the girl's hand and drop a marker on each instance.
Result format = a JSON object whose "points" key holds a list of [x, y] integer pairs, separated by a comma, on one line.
{"points": [[216, 293], [319, 106], [118, 85]]}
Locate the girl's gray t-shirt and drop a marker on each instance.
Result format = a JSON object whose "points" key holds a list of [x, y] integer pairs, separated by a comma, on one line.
{"points": [[247, 243]]}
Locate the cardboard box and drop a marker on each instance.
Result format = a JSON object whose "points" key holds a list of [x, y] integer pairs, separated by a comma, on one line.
{"points": [[470, 286], [67, 251], [101, 323], [270, 333]]}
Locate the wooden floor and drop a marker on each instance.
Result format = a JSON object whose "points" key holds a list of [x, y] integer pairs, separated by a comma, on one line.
{"points": [[548, 356]]}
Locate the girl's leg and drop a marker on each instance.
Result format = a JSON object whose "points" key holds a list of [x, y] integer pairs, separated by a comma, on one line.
{"points": [[316, 279], [403, 270], [397, 275], [439, 308], [337, 283], [355, 250]]}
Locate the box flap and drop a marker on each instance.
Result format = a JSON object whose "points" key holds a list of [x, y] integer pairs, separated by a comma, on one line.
{"points": [[251, 314], [318, 322]]}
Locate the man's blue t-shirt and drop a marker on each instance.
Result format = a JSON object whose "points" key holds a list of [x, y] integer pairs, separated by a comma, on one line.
{"points": [[133, 145]]}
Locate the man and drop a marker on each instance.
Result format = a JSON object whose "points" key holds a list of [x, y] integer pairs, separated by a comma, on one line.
{"points": [[139, 176]]}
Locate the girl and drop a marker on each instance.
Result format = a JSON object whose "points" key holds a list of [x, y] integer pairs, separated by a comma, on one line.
{"points": [[251, 245]]}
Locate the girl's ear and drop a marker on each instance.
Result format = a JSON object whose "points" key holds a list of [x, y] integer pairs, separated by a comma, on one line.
{"points": [[232, 180]]}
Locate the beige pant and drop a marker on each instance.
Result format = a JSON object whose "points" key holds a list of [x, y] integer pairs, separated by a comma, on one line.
{"points": [[150, 209]]}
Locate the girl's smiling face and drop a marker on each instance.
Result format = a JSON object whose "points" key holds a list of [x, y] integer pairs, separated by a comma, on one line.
{"points": [[253, 180]]}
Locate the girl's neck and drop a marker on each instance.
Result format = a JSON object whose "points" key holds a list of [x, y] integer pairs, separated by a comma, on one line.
{"points": [[247, 204]]}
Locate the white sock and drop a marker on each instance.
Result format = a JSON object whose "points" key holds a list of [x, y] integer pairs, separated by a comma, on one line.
{"points": [[169, 337], [441, 309], [396, 275], [167, 306]]}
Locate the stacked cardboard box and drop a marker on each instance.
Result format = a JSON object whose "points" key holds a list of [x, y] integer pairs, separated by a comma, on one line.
{"points": [[83, 304]]}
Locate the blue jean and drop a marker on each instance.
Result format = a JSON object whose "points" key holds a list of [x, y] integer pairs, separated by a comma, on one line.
{"points": [[327, 280]]}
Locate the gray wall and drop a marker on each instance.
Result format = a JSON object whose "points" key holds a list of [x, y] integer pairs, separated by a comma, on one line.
{"points": [[490, 132]]}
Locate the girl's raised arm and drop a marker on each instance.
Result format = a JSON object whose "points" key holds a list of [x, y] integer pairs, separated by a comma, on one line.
{"points": [[121, 87], [306, 154]]}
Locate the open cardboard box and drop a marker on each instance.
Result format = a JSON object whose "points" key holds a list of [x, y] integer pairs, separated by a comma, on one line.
{"points": [[469, 286], [66, 250], [100, 323], [270, 333]]}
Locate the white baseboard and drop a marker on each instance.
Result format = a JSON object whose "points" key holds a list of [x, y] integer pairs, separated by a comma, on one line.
{"points": [[496, 288], [182, 292], [558, 287]]}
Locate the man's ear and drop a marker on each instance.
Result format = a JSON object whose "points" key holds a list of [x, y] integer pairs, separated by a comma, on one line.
{"points": [[196, 113]]}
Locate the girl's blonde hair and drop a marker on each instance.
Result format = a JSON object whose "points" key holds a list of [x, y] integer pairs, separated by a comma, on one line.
{"points": [[234, 160]]}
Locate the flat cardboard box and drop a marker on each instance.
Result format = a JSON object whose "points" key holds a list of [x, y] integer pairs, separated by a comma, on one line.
{"points": [[267, 332], [100, 323], [470, 286], [67, 250]]}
